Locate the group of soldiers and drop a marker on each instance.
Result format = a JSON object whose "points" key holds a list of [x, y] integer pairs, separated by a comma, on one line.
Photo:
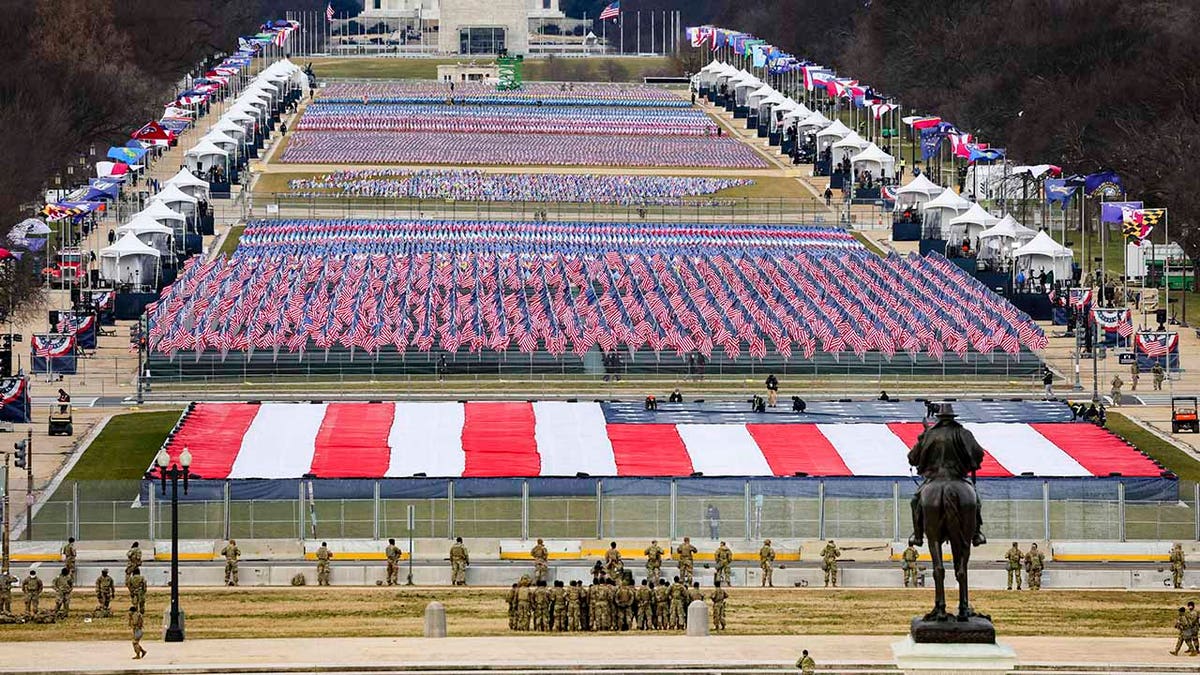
{"points": [[1034, 561], [609, 604], [1188, 624]]}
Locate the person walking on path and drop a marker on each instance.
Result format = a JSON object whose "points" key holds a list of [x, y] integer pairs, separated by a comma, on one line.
{"points": [[136, 623], [806, 664]]}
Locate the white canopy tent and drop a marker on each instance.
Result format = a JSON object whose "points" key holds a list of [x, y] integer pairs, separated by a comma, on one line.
{"points": [[756, 96], [814, 120], [230, 128], [1045, 255], [176, 200], [875, 160], [971, 223], [850, 145], [999, 240], [831, 134], [189, 184], [232, 146], [204, 156], [150, 232], [130, 261], [944, 207]]}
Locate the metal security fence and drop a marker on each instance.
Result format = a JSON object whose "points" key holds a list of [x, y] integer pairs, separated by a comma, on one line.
{"points": [[1100, 509]]}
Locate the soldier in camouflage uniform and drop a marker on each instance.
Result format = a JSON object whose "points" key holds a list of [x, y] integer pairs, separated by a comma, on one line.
{"points": [[62, 593], [719, 596], [654, 556], [694, 594], [574, 614], [644, 597], [232, 554], [1181, 625], [392, 552], [6, 583], [1035, 562], [724, 561], [678, 594], [105, 590], [613, 562], [524, 604], [829, 556], [324, 555], [541, 607], [511, 599], [459, 559], [597, 607], [614, 611], [136, 623], [910, 566], [137, 590], [541, 565], [1014, 557], [662, 605], [684, 554], [558, 598], [585, 618], [624, 599], [1193, 622], [133, 560], [766, 561], [1178, 564], [68, 558], [32, 588]]}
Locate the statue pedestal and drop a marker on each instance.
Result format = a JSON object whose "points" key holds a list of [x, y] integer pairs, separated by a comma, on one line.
{"points": [[943, 658]]}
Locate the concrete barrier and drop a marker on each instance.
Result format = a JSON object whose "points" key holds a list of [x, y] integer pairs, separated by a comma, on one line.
{"points": [[556, 549], [351, 549], [1111, 551], [198, 549]]}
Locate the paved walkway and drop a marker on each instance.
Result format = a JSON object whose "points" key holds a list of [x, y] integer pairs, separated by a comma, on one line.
{"points": [[615, 651]]}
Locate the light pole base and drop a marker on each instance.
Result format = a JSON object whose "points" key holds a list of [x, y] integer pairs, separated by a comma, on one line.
{"points": [[171, 631]]}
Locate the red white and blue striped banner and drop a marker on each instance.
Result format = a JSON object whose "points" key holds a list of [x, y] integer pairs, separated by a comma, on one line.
{"points": [[522, 439], [14, 400]]}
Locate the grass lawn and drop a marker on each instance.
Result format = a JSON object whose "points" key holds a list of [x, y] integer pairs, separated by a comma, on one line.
{"points": [[631, 69], [1184, 465], [231, 240], [372, 612], [125, 447]]}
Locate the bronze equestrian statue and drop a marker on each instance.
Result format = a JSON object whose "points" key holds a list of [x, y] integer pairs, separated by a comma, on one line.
{"points": [[946, 507]]}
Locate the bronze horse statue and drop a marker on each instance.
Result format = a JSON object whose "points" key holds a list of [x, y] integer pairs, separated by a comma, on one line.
{"points": [[946, 507]]}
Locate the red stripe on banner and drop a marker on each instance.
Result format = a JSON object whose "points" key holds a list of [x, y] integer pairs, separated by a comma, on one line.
{"points": [[213, 434], [792, 448], [649, 450], [910, 431], [1097, 450], [498, 439], [353, 441]]}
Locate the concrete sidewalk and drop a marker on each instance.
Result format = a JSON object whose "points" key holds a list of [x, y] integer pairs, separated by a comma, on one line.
{"points": [[638, 652]]}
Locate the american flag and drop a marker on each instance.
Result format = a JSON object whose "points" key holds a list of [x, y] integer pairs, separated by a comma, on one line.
{"points": [[611, 11], [329, 12]]}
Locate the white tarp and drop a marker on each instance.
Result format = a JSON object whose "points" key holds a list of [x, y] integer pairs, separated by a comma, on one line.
{"points": [[573, 437], [723, 450], [426, 437], [280, 442]]}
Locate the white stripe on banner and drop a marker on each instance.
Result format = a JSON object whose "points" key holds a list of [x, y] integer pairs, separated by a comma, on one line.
{"points": [[723, 450], [280, 441], [1020, 448], [573, 437], [868, 449], [426, 437]]}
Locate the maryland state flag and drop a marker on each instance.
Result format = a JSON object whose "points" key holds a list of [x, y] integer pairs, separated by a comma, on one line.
{"points": [[1137, 224]]}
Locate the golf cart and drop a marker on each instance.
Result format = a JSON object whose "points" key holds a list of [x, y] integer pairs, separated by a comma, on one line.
{"points": [[61, 420], [1183, 415]]}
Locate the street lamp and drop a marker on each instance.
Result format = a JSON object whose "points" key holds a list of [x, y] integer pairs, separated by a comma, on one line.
{"points": [[167, 470]]}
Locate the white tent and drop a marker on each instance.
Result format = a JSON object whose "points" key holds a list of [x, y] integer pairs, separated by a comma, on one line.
{"points": [[831, 134], [971, 223], [176, 200], [163, 214], [755, 98], [230, 128], [204, 156], [850, 145], [999, 240], [130, 261], [1044, 254], [229, 144], [875, 160], [918, 191], [189, 184], [942, 208], [815, 120], [150, 232]]}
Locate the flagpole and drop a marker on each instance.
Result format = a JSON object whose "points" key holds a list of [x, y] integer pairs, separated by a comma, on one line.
{"points": [[652, 33], [639, 31], [621, 23]]}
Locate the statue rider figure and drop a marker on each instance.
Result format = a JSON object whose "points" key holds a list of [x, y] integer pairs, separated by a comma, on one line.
{"points": [[947, 450]]}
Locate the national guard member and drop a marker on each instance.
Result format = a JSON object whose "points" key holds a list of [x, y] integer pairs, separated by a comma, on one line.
{"points": [[829, 556], [724, 561], [68, 558], [232, 553], [392, 552], [459, 559], [1181, 625], [597, 607], [137, 590], [511, 599], [574, 613], [1178, 564], [32, 588], [62, 593], [133, 559], [644, 597], [541, 568], [135, 624], [662, 605], [910, 566], [654, 555], [678, 594], [6, 583], [558, 600], [806, 664], [1014, 556], [541, 607], [624, 602], [719, 596], [766, 561], [524, 604], [324, 555], [1193, 626], [684, 554], [613, 562], [105, 590], [1035, 561]]}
